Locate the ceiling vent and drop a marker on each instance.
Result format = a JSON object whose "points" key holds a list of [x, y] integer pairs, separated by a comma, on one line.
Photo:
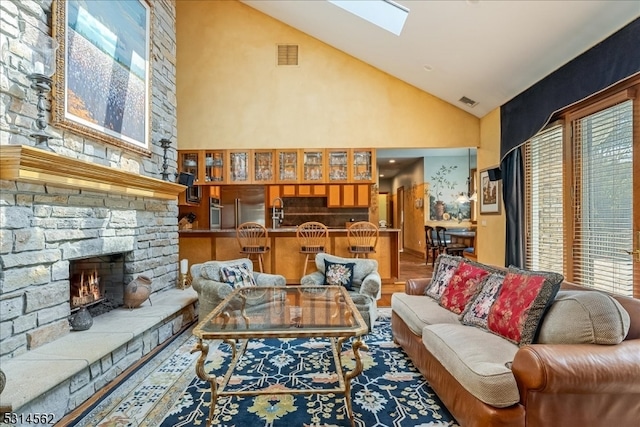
{"points": [[287, 54], [468, 102]]}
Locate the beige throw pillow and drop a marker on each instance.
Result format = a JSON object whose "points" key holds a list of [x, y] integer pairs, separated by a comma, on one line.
{"points": [[584, 317]]}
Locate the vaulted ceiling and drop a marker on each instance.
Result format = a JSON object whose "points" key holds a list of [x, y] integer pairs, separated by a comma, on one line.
{"points": [[488, 51]]}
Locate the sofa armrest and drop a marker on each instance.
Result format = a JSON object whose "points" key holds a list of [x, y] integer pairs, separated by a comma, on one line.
{"points": [[314, 279], [210, 294], [372, 285], [416, 286], [266, 279], [578, 369]]}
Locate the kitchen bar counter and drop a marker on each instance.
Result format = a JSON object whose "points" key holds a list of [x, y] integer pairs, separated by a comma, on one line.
{"points": [[284, 258]]}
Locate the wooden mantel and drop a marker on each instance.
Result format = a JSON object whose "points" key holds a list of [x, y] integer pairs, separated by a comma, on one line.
{"points": [[29, 164]]}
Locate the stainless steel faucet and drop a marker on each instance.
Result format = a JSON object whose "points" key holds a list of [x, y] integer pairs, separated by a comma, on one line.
{"points": [[277, 213]]}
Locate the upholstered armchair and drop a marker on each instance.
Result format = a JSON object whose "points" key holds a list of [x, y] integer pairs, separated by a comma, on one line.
{"points": [[206, 281], [366, 285]]}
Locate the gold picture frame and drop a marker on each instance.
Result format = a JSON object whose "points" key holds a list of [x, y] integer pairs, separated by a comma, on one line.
{"points": [[102, 84], [490, 194]]}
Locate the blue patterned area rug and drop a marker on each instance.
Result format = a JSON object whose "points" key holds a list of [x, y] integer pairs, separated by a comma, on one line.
{"points": [[389, 392]]}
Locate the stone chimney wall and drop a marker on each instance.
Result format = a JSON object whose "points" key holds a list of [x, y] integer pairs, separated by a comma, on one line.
{"points": [[43, 227]]}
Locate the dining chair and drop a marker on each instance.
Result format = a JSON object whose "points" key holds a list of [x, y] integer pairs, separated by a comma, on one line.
{"points": [[431, 246], [253, 239], [362, 238], [313, 238], [448, 247]]}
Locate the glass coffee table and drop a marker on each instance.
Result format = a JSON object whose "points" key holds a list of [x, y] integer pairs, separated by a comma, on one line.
{"points": [[257, 312]]}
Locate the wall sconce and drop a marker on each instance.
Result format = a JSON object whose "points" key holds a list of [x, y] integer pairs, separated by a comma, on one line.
{"points": [[165, 143], [185, 278], [419, 202], [40, 69]]}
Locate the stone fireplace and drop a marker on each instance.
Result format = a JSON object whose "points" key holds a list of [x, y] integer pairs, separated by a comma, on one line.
{"points": [[97, 281]]}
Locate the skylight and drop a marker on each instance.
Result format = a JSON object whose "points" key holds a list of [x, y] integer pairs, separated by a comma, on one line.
{"points": [[385, 14]]}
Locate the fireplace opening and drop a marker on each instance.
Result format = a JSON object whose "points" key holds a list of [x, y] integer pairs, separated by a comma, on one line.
{"points": [[97, 283]]}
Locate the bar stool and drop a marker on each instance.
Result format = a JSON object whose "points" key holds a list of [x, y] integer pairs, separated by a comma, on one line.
{"points": [[313, 238], [253, 239], [362, 238]]}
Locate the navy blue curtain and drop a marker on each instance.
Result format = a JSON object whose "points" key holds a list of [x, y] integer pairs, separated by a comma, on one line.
{"points": [[513, 196], [609, 62]]}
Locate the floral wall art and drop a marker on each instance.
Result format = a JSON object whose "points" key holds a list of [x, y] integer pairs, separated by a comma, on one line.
{"points": [[447, 181]]}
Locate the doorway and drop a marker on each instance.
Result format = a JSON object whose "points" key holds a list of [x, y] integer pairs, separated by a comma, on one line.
{"points": [[400, 214]]}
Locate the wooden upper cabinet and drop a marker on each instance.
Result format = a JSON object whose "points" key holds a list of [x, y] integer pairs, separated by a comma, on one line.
{"points": [[314, 165], [240, 166], [363, 165], [190, 162], [264, 166], [214, 167], [338, 165], [287, 166]]}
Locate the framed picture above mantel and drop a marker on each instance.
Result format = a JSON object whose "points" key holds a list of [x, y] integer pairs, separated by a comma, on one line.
{"points": [[102, 84]]}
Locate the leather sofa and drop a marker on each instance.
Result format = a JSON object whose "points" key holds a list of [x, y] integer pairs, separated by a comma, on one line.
{"points": [[589, 385]]}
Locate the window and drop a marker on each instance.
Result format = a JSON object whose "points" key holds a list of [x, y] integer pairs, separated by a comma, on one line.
{"points": [[544, 210], [603, 202], [579, 193]]}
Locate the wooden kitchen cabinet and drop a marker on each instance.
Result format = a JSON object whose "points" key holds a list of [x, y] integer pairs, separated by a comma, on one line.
{"points": [[363, 165], [214, 167], [338, 165], [334, 196], [314, 166], [264, 166], [287, 166], [240, 166]]}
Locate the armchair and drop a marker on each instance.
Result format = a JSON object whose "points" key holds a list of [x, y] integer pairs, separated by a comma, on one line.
{"points": [[211, 291], [367, 284]]}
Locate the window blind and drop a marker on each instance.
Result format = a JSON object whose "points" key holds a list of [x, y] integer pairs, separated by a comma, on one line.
{"points": [[543, 201], [603, 199]]}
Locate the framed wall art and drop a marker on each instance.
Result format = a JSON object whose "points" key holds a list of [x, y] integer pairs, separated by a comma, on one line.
{"points": [[103, 70], [490, 196]]}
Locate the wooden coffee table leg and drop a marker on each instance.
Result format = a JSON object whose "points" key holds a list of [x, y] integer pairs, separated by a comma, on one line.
{"points": [[356, 346], [203, 348]]}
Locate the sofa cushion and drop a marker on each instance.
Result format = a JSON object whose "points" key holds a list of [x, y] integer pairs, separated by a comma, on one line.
{"points": [[211, 269], [477, 311], [417, 311], [463, 286], [443, 270], [362, 268], [584, 317], [477, 359], [237, 276], [338, 274], [521, 303]]}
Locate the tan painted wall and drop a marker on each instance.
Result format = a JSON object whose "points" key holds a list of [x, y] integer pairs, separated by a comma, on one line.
{"points": [[491, 228], [231, 94]]}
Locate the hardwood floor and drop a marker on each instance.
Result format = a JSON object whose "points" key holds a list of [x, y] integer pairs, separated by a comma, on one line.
{"points": [[411, 266]]}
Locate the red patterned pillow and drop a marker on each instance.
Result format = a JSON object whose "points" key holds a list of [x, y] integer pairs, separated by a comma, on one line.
{"points": [[463, 286], [523, 300]]}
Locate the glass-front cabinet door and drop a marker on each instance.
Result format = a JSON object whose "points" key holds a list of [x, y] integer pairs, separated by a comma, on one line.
{"points": [[214, 167], [239, 167], [264, 166], [313, 165], [338, 165], [190, 163], [363, 165], [287, 166]]}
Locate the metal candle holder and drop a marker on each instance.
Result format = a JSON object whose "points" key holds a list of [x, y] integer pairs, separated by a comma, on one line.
{"points": [[165, 143], [42, 85]]}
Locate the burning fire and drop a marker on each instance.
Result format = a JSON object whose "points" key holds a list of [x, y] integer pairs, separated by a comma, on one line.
{"points": [[88, 289]]}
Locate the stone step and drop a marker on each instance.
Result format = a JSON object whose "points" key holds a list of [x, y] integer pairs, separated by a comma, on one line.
{"points": [[57, 377]]}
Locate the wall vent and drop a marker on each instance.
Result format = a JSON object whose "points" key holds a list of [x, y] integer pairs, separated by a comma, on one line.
{"points": [[287, 54], [468, 102]]}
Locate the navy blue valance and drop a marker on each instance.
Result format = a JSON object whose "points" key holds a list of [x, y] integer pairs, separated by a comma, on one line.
{"points": [[607, 63]]}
